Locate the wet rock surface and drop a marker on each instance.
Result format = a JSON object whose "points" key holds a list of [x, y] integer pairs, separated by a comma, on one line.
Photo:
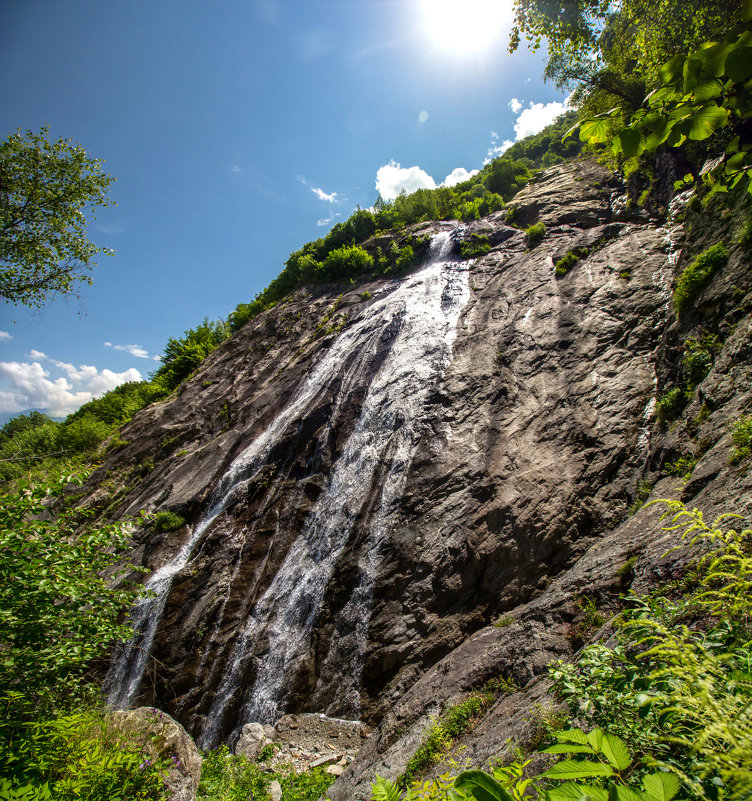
{"points": [[521, 470]]}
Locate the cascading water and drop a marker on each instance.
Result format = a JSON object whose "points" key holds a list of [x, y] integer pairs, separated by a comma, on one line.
{"points": [[417, 322], [426, 308]]}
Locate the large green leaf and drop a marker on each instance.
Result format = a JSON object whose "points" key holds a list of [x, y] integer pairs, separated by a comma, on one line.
{"points": [[706, 121], [567, 748], [596, 130], [615, 752], [661, 786], [572, 736], [578, 769], [713, 58], [573, 791], [620, 793], [481, 786], [630, 142], [672, 69], [739, 64]]}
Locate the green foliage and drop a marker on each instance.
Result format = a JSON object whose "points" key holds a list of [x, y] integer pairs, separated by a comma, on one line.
{"points": [[365, 295], [58, 610], [166, 521], [478, 245], [741, 435], [227, 777], [671, 404], [681, 695], [455, 721], [565, 263], [77, 757], [591, 619], [697, 275], [183, 356], [534, 234], [45, 188], [642, 493], [230, 777], [34, 442], [697, 96], [682, 466]]}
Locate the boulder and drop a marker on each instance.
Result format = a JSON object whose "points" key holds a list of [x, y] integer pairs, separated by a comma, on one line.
{"points": [[165, 739], [253, 737]]}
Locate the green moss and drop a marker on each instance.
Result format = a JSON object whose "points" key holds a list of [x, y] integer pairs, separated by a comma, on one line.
{"points": [[697, 275], [741, 435]]}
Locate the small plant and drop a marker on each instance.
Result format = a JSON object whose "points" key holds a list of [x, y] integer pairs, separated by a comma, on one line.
{"points": [[534, 234], [625, 573], [697, 275], [365, 295], [591, 619], [167, 521], [512, 214], [670, 404], [565, 263], [745, 240], [741, 435], [503, 622], [478, 245], [643, 490], [625, 275], [682, 467]]}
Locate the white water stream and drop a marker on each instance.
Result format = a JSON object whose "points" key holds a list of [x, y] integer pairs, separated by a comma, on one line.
{"points": [[416, 324]]}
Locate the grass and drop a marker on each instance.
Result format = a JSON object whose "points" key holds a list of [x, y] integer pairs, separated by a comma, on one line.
{"points": [[534, 234]]}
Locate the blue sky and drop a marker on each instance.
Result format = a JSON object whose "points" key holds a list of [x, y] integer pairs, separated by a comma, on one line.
{"points": [[237, 131]]}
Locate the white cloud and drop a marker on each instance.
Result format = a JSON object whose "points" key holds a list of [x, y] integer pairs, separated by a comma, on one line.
{"points": [[327, 220], [321, 195], [236, 168], [458, 175], [391, 179], [536, 117], [4, 336], [28, 385], [134, 350], [423, 116], [515, 105]]}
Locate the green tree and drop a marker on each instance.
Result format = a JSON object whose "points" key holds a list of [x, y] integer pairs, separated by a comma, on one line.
{"points": [[45, 188], [57, 609]]}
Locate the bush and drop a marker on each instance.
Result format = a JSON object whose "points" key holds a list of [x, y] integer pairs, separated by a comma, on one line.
{"points": [[167, 521], [565, 264], [59, 611], [478, 245], [741, 435], [534, 234], [697, 275], [671, 404], [77, 757]]}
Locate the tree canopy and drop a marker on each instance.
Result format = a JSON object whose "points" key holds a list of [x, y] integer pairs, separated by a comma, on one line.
{"points": [[45, 189]]}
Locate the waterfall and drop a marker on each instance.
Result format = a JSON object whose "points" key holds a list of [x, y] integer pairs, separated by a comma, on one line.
{"points": [[416, 323]]}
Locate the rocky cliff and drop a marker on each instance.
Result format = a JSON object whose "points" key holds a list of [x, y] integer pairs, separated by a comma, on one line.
{"points": [[371, 476]]}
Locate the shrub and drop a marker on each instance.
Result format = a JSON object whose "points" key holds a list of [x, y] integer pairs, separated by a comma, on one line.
{"points": [[565, 263], [671, 404], [742, 437], [697, 275], [167, 521], [478, 245], [534, 234], [365, 295], [59, 611], [77, 757]]}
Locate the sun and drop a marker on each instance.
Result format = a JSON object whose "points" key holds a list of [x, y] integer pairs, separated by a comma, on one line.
{"points": [[466, 26]]}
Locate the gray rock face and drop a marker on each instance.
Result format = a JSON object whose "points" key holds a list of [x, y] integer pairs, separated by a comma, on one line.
{"points": [[164, 738], [408, 484]]}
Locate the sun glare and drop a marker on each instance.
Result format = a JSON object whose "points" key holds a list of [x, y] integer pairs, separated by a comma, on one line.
{"points": [[470, 26]]}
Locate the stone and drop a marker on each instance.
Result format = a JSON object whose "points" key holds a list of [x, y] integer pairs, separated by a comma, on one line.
{"points": [[335, 770], [275, 790], [165, 739], [328, 759], [253, 738]]}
